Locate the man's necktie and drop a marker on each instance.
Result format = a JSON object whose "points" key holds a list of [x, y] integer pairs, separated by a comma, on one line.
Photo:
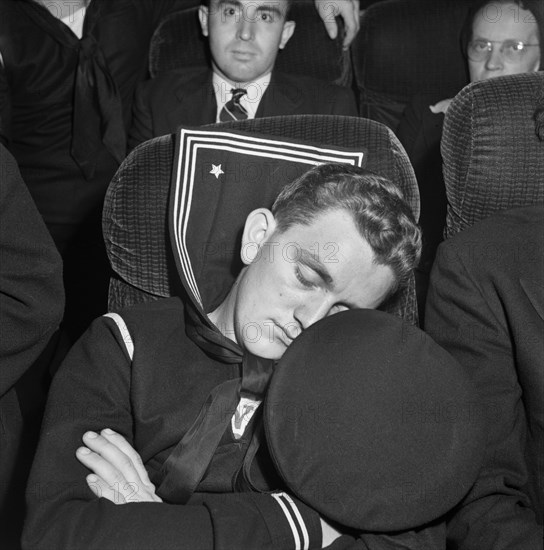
{"points": [[233, 110]]}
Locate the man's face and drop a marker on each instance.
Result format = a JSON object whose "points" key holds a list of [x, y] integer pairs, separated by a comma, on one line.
{"points": [[298, 277], [245, 36], [497, 23]]}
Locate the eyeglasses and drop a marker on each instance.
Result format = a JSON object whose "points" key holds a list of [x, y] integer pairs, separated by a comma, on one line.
{"points": [[511, 50]]}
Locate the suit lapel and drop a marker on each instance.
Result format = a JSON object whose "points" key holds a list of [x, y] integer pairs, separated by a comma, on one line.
{"points": [[196, 103], [535, 293], [280, 98]]}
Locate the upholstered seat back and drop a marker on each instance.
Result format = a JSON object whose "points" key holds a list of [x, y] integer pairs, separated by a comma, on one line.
{"points": [[493, 158], [408, 47], [178, 42], [136, 205]]}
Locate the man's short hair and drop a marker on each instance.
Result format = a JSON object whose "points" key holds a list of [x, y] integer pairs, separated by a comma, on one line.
{"points": [[289, 3], [377, 205]]}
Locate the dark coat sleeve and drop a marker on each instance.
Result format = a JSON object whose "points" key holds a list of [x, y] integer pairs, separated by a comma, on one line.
{"points": [[420, 131], [469, 321], [310, 96], [91, 391], [410, 127], [31, 290]]}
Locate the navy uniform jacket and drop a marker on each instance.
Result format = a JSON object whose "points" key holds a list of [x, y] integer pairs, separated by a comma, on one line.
{"points": [[40, 74], [486, 307], [186, 97], [152, 401]]}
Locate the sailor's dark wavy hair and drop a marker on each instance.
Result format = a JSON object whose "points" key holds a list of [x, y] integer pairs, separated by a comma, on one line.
{"points": [[376, 204], [536, 7]]}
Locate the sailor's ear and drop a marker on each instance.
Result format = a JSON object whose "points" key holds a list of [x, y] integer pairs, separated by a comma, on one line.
{"points": [[203, 18], [260, 224]]}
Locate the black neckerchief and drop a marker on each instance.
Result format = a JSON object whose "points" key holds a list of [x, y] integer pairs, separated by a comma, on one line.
{"points": [[188, 462], [97, 114]]}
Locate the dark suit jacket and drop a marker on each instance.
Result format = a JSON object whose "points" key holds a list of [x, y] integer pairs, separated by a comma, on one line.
{"points": [[486, 307], [420, 132], [31, 307], [186, 97]]}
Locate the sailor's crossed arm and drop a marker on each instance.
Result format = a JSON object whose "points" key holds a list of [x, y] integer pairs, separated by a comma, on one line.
{"points": [[119, 475]]}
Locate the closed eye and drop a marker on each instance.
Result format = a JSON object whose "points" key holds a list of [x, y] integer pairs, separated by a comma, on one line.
{"points": [[302, 279]]}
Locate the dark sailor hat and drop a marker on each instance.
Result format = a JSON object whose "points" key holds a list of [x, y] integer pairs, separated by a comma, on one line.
{"points": [[372, 423]]}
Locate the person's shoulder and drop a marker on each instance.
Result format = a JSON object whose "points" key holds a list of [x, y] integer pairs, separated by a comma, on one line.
{"points": [[506, 225], [164, 310], [170, 80], [308, 82], [505, 240]]}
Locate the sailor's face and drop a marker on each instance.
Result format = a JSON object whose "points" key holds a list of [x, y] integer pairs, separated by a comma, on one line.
{"points": [[297, 277]]}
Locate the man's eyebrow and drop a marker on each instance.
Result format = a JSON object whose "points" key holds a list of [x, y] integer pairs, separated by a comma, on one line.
{"points": [[269, 7], [481, 37], [306, 257], [272, 7], [233, 3]]}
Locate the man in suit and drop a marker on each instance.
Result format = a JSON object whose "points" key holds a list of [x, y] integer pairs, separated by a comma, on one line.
{"points": [[493, 47], [486, 307], [244, 39]]}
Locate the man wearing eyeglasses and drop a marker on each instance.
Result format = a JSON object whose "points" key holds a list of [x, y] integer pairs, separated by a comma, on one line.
{"points": [[499, 38], [505, 40]]}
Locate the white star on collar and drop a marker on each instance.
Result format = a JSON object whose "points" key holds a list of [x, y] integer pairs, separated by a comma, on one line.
{"points": [[216, 171]]}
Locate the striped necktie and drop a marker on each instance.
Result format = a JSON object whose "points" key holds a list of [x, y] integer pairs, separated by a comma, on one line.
{"points": [[233, 110]]}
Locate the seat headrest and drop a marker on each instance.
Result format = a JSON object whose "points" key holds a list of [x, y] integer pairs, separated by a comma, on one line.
{"points": [[136, 204], [493, 157]]}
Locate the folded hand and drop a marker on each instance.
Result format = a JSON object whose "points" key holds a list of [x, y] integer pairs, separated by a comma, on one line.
{"points": [[118, 471]]}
